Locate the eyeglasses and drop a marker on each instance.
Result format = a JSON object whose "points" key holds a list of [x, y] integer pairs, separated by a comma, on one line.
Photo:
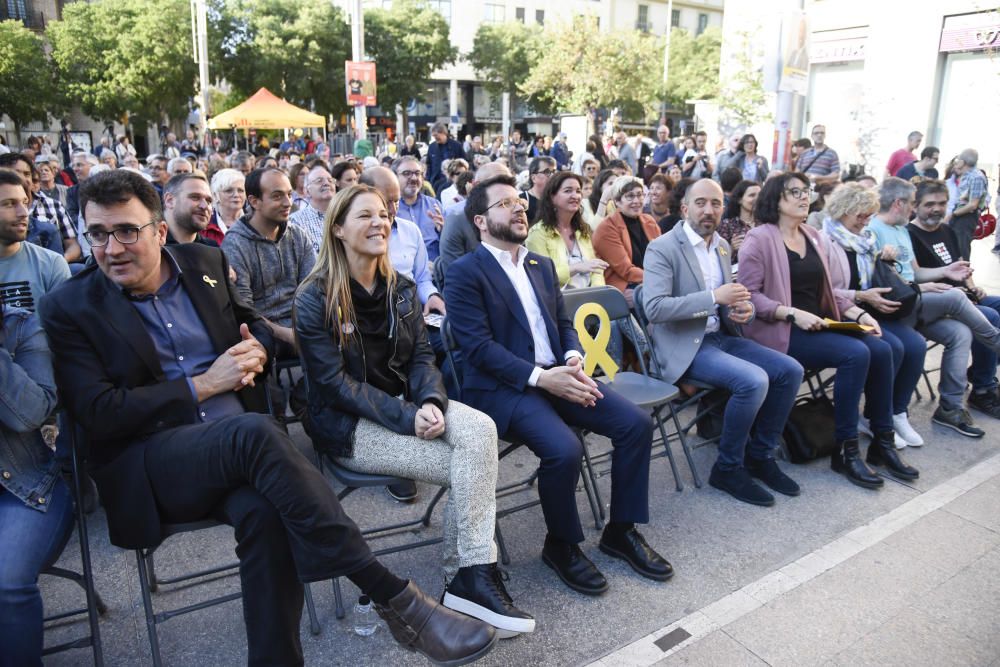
{"points": [[124, 235], [509, 204], [411, 174], [546, 172], [799, 193], [633, 196]]}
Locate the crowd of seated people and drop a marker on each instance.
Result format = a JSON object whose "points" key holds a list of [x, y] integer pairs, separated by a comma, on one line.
{"points": [[193, 279]]}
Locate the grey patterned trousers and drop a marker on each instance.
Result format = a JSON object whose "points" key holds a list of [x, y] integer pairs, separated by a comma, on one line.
{"points": [[463, 459]]}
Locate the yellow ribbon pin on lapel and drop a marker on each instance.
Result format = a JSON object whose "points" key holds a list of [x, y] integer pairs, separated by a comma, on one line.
{"points": [[211, 283], [595, 348]]}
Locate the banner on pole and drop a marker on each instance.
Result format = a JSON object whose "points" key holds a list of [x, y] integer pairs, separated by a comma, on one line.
{"points": [[359, 78]]}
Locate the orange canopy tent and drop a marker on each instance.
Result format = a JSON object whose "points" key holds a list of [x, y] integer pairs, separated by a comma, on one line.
{"points": [[265, 111]]}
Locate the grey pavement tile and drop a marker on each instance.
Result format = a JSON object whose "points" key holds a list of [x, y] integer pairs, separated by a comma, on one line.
{"points": [[981, 505], [944, 540], [916, 639], [717, 648]]}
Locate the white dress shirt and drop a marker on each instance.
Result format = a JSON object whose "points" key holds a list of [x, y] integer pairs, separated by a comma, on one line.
{"points": [[544, 356], [711, 270]]}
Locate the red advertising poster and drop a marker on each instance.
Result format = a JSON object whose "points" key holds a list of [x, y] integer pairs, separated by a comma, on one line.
{"points": [[360, 81]]}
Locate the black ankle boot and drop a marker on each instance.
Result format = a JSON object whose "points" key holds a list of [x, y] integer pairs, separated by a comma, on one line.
{"points": [[847, 461], [882, 452]]}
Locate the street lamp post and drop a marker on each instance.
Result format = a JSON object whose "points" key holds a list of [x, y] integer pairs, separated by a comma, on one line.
{"points": [[358, 54]]}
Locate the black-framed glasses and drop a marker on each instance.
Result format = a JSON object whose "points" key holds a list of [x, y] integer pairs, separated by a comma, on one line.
{"points": [[125, 235], [509, 204], [546, 172], [799, 193]]}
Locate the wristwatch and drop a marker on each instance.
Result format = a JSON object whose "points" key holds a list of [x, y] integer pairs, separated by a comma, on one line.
{"points": [[790, 317]]}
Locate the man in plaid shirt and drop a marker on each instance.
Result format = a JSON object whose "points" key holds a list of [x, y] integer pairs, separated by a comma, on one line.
{"points": [[971, 199], [43, 208]]}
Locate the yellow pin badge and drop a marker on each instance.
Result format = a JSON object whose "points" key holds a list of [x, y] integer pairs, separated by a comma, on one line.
{"points": [[211, 283]]}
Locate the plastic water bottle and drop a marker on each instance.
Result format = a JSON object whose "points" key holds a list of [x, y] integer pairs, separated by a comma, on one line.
{"points": [[365, 623]]}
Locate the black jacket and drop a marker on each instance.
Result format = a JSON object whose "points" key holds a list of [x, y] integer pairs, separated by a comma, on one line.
{"points": [[111, 381], [338, 392]]}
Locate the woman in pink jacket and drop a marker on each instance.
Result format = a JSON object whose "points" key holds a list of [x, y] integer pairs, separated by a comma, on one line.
{"points": [[783, 264]]}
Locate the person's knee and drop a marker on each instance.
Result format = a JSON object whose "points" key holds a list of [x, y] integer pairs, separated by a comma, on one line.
{"points": [[253, 431], [752, 384], [566, 455], [959, 338]]}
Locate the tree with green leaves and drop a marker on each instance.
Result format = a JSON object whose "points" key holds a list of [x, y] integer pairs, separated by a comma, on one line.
{"points": [[294, 49], [583, 68], [407, 43], [694, 66], [742, 98], [116, 57], [30, 91], [503, 55]]}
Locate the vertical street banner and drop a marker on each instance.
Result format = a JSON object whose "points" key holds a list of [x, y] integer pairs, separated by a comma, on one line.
{"points": [[794, 54], [359, 78]]}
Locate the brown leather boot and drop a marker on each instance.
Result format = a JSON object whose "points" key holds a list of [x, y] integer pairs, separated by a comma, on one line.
{"points": [[443, 636]]}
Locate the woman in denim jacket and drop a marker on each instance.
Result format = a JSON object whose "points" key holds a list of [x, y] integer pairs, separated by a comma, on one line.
{"points": [[36, 512]]}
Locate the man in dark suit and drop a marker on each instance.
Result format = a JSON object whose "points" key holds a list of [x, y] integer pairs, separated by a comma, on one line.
{"points": [[162, 366], [523, 368]]}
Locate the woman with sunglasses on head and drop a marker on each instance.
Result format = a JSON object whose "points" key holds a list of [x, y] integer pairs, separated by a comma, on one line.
{"points": [[622, 238], [783, 263], [377, 402]]}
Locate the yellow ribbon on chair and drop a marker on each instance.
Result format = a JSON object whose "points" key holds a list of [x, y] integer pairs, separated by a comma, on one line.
{"points": [[595, 348]]}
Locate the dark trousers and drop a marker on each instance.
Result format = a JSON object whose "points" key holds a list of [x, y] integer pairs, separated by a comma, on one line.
{"points": [[762, 384], [908, 351], [965, 231], [984, 360], [290, 528], [863, 363], [543, 422]]}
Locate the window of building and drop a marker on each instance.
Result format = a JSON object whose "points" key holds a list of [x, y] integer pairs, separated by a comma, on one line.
{"points": [[540, 16], [16, 10], [642, 18], [442, 7], [675, 18], [494, 12], [702, 23], [519, 14]]}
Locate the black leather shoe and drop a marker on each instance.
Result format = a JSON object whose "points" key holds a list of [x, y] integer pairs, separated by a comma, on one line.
{"points": [[767, 471], [882, 452], [573, 567], [478, 591], [631, 547], [443, 636], [739, 485], [847, 461], [404, 492]]}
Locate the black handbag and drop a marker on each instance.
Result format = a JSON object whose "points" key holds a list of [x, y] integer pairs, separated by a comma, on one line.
{"points": [[907, 294], [809, 431]]}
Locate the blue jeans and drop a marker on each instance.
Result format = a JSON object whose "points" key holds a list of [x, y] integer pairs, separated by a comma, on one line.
{"points": [[762, 384], [908, 351], [984, 360], [863, 364], [30, 541]]}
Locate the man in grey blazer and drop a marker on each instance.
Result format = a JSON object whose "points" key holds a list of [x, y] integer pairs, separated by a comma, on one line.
{"points": [[695, 310], [459, 236]]}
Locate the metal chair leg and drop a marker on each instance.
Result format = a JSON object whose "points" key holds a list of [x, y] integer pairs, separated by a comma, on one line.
{"points": [[94, 603], [589, 492], [338, 599], [678, 485], [686, 448], [147, 604], [311, 610], [501, 545], [154, 585], [430, 507]]}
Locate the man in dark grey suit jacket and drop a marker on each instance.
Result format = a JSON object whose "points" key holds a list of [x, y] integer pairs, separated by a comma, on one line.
{"points": [[695, 309], [459, 236]]}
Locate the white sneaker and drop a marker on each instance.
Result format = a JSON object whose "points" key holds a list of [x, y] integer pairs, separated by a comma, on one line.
{"points": [[905, 432]]}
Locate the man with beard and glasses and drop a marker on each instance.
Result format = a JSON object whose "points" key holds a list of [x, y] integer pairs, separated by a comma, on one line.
{"points": [[321, 186], [27, 271], [935, 245], [522, 367], [187, 209], [417, 207], [695, 311]]}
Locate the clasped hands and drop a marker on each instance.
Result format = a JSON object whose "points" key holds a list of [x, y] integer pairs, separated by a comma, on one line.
{"points": [[234, 369], [570, 383], [737, 298]]}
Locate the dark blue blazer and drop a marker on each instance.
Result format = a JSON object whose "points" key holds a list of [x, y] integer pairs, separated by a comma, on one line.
{"points": [[492, 329]]}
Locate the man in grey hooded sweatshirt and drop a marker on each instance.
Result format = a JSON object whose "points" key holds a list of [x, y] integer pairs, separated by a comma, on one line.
{"points": [[270, 257]]}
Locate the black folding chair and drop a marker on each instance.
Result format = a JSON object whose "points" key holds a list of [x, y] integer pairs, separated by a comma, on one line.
{"points": [[85, 579], [643, 389]]}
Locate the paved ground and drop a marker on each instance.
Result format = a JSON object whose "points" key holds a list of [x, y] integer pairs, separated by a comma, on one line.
{"points": [[837, 576]]}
